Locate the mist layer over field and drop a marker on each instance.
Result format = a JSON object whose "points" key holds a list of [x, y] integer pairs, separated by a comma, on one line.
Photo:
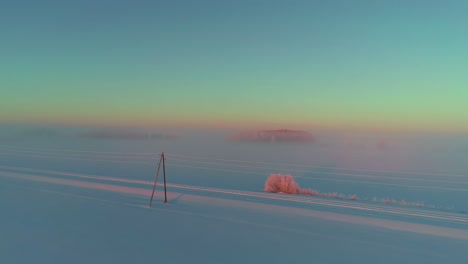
{"points": [[411, 167]]}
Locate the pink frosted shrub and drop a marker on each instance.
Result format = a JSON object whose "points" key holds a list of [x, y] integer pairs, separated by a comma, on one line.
{"points": [[284, 183], [280, 183]]}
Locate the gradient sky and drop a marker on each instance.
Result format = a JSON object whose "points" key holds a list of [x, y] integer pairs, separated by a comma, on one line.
{"points": [[394, 65]]}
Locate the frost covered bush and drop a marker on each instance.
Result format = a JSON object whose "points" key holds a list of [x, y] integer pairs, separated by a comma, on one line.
{"points": [[280, 183], [284, 183]]}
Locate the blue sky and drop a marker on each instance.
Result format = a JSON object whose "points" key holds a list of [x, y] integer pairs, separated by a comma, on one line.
{"points": [[368, 64]]}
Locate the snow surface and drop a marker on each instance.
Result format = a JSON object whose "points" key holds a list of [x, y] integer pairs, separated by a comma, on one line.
{"points": [[66, 200]]}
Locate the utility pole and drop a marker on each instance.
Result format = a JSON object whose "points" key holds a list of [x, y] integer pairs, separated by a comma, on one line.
{"points": [[156, 180], [164, 173]]}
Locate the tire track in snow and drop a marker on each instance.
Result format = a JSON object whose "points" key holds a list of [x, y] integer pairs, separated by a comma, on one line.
{"points": [[417, 212], [261, 173], [152, 155]]}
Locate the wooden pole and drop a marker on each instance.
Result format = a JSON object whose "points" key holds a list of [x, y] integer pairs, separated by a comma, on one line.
{"points": [[164, 173], [156, 180]]}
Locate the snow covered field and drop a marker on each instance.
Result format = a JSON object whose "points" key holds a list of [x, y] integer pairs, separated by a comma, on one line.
{"points": [[67, 199]]}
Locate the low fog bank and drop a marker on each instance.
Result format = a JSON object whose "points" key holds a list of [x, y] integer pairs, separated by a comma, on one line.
{"points": [[69, 132], [272, 136]]}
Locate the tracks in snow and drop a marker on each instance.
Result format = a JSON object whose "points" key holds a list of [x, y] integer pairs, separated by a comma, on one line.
{"points": [[261, 196]]}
